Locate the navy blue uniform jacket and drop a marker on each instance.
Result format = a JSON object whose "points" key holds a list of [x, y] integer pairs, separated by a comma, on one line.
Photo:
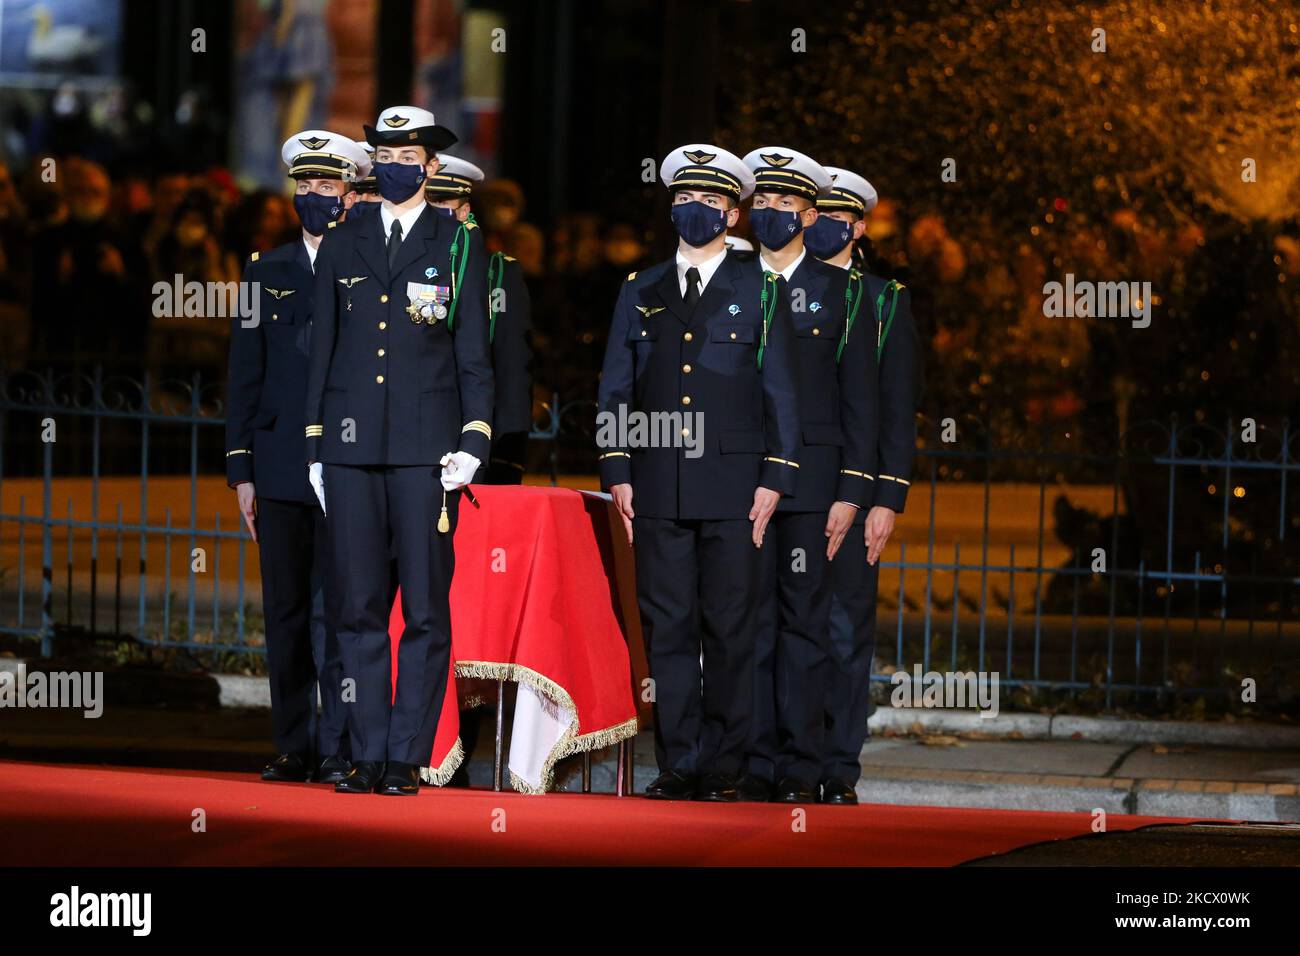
{"points": [[899, 359], [837, 397], [267, 380], [383, 390], [662, 359]]}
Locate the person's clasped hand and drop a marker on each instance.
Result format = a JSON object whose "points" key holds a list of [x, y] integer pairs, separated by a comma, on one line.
{"points": [[458, 469]]}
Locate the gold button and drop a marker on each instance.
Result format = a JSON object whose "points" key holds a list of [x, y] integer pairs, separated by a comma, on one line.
{"points": [[733, 336], [274, 317], [686, 399], [380, 353], [379, 379], [817, 331], [383, 325], [686, 369], [686, 433], [688, 336], [383, 298], [644, 333]]}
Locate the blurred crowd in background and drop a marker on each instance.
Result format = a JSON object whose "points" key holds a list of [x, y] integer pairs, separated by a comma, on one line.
{"points": [[88, 226]]}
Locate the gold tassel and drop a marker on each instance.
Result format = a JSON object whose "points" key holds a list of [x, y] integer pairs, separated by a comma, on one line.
{"points": [[444, 525]]}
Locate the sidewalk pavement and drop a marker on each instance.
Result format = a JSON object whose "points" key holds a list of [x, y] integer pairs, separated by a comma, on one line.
{"points": [[1209, 770]]}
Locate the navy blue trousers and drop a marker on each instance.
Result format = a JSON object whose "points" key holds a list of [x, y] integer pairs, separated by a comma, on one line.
{"points": [[697, 588], [384, 520], [792, 654], [853, 642], [302, 651]]}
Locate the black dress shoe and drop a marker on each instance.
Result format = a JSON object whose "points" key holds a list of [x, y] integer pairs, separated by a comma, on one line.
{"points": [[794, 790], [287, 768], [333, 769], [364, 777], [672, 785], [754, 789], [838, 791], [717, 788], [400, 780]]}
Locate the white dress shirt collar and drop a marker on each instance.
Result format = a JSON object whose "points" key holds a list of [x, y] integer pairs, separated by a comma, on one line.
{"points": [[707, 268], [407, 219], [788, 271], [311, 252]]}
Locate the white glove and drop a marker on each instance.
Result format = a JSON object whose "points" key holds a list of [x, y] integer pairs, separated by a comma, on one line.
{"points": [[458, 469], [316, 478]]}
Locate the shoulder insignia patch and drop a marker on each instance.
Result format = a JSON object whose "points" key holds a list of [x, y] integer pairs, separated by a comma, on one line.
{"points": [[470, 225]]}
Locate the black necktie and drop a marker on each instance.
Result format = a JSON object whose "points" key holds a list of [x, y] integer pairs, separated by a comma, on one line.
{"points": [[394, 241], [692, 287]]}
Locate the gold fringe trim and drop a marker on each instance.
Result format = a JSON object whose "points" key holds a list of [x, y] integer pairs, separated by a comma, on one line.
{"points": [[523, 786], [450, 764], [570, 741], [600, 739]]}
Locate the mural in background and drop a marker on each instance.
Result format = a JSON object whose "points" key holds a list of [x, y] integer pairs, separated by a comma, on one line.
{"points": [[43, 42], [311, 63], [286, 73]]}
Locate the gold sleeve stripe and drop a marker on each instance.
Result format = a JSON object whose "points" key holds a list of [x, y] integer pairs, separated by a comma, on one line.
{"points": [[614, 454], [856, 474], [892, 478], [782, 461], [477, 426], [238, 451], [315, 431]]}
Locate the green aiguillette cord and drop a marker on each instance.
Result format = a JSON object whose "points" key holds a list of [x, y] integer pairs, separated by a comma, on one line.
{"points": [[852, 302], [459, 244], [893, 285], [767, 305], [496, 274]]}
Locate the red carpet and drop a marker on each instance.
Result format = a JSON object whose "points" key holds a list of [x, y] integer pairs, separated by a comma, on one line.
{"points": [[55, 815]]}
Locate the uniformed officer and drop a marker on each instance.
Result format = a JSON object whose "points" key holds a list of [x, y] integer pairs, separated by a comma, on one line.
{"points": [[365, 188], [399, 405], [855, 573], [509, 324], [836, 464], [264, 453], [698, 428]]}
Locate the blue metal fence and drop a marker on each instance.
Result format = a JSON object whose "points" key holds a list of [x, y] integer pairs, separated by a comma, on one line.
{"points": [[1198, 590]]}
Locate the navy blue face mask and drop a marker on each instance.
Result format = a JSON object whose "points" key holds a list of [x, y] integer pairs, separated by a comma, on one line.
{"points": [[398, 182], [316, 212], [774, 228], [697, 223], [826, 237]]}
